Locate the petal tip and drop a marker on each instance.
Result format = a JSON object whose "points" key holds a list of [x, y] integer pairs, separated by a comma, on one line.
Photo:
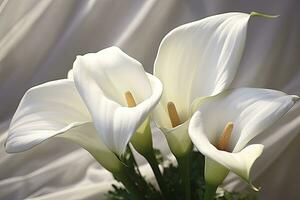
{"points": [[263, 15], [10, 148], [6, 148], [295, 98], [253, 187], [115, 48], [70, 74]]}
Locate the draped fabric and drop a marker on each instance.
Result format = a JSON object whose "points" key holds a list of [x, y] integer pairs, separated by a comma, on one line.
{"points": [[39, 41]]}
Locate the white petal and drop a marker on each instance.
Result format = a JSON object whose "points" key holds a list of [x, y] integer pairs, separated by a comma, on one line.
{"points": [[56, 109], [102, 80], [219, 163], [251, 110], [45, 111], [199, 59], [239, 163], [86, 136]]}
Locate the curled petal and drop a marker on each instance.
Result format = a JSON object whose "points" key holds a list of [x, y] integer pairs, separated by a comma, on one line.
{"points": [[56, 109], [199, 59], [239, 163], [45, 111], [102, 80]]}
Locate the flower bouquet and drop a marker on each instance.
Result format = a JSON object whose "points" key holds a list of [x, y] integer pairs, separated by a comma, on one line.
{"points": [[109, 105]]}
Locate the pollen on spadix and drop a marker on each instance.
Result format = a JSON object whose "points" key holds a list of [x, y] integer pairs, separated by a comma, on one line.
{"points": [[130, 99], [225, 137], [173, 114]]}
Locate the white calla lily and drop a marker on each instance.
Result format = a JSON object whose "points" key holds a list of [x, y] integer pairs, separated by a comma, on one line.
{"points": [[224, 124], [103, 79], [89, 104], [196, 60], [55, 109]]}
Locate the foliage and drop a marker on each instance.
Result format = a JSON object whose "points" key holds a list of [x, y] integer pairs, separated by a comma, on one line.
{"points": [[173, 182]]}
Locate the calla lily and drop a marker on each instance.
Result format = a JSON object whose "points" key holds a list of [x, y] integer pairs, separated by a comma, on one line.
{"points": [[196, 60], [89, 104], [104, 81], [224, 124]]}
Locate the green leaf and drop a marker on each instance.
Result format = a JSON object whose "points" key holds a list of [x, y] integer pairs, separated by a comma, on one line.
{"points": [[173, 182]]}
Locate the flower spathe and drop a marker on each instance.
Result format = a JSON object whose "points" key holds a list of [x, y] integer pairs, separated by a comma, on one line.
{"points": [[55, 109], [102, 80], [250, 111], [89, 107], [196, 60]]}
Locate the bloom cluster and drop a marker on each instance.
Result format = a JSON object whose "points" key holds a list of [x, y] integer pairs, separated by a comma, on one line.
{"points": [[108, 101]]}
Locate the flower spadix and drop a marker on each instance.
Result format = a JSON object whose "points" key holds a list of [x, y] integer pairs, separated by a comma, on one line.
{"points": [[142, 139], [224, 124], [107, 81], [196, 60]]}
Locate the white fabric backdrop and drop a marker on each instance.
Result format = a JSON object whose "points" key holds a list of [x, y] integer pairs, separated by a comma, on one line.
{"points": [[40, 39]]}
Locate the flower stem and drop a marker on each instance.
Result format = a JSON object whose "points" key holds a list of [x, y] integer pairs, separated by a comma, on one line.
{"points": [[129, 185], [210, 192], [135, 165], [150, 157], [184, 168]]}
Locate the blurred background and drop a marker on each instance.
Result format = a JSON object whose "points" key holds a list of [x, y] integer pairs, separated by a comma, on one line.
{"points": [[39, 41]]}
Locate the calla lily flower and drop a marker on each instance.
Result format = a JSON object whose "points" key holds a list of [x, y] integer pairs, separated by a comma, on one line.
{"points": [[107, 82], [89, 107], [196, 60], [224, 124]]}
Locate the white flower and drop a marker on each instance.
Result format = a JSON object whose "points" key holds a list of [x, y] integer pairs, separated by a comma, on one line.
{"points": [[196, 60], [104, 80], [90, 103], [224, 124]]}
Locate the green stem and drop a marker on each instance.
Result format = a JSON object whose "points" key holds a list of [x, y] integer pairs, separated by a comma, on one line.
{"points": [[210, 192], [184, 168], [150, 157], [134, 161], [134, 171], [129, 185]]}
